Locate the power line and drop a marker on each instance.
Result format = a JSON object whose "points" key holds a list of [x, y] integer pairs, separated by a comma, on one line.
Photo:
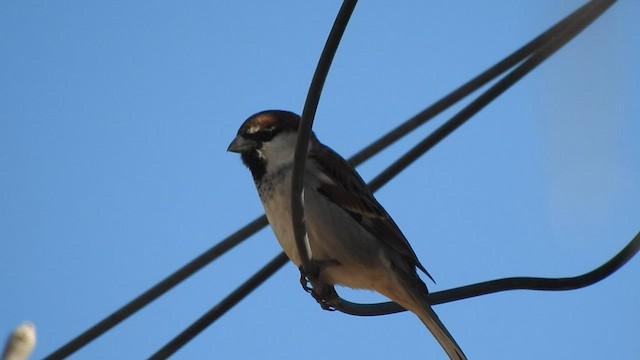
{"points": [[222, 307], [157, 290]]}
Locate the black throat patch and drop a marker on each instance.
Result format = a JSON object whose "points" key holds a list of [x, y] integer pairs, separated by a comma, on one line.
{"points": [[256, 164]]}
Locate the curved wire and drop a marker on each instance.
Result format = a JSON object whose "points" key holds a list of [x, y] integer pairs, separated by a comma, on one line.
{"points": [[506, 284], [304, 130]]}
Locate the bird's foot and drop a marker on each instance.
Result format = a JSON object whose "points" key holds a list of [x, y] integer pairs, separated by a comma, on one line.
{"points": [[325, 294], [307, 279]]}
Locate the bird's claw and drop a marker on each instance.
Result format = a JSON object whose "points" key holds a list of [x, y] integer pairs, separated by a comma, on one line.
{"points": [[307, 279], [304, 281], [324, 294]]}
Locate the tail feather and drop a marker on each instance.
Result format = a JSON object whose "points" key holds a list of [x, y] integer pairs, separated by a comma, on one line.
{"points": [[407, 289], [413, 299], [430, 319]]}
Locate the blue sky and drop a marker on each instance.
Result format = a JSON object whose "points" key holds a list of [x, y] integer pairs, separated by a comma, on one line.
{"points": [[115, 118]]}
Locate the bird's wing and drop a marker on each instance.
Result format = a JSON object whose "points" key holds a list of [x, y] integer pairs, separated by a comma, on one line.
{"points": [[348, 191]]}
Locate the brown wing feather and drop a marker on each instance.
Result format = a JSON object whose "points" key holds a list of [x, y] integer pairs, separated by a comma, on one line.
{"points": [[351, 193]]}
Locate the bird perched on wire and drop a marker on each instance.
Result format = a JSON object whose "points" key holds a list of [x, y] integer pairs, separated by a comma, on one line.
{"points": [[352, 239]]}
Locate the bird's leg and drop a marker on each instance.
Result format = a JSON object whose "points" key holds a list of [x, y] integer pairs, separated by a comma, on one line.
{"points": [[325, 294]]}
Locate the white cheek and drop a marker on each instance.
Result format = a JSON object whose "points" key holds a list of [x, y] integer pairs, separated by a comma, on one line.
{"points": [[279, 151]]}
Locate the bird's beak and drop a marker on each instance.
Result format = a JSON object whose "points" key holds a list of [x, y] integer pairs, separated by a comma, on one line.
{"points": [[240, 144]]}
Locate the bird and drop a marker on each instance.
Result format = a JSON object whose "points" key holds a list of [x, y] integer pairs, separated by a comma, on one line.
{"points": [[350, 235]]}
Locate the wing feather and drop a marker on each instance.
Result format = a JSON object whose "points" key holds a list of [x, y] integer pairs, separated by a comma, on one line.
{"points": [[348, 191]]}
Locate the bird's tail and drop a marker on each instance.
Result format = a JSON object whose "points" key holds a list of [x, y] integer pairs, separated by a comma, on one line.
{"points": [[412, 296], [430, 319], [411, 293]]}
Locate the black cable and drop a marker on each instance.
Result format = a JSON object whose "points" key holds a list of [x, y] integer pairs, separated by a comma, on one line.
{"points": [[222, 307], [469, 87], [158, 289], [304, 129], [506, 284], [537, 57]]}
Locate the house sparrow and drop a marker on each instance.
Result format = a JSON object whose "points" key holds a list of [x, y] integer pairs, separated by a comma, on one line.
{"points": [[351, 237]]}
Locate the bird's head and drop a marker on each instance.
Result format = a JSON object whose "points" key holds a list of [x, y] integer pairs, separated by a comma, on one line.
{"points": [[267, 140]]}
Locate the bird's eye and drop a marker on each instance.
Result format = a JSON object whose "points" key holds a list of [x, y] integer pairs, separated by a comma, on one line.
{"points": [[264, 134]]}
